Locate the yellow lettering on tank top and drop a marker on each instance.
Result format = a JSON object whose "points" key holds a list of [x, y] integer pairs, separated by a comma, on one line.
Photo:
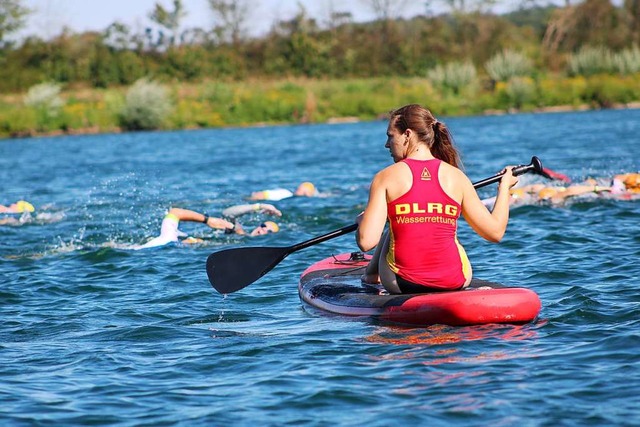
{"points": [[403, 209], [451, 210], [434, 208], [417, 209], [427, 208]]}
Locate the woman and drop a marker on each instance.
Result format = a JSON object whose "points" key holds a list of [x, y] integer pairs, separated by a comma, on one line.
{"points": [[422, 195]]}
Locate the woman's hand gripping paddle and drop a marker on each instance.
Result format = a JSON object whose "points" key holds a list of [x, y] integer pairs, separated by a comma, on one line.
{"points": [[230, 270]]}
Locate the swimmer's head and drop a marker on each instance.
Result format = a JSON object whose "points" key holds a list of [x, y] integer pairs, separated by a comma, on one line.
{"points": [[23, 206], [632, 182], [306, 189], [265, 228], [192, 240], [547, 193], [517, 193], [259, 195]]}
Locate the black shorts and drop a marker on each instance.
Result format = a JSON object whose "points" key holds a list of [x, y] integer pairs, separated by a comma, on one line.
{"points": [[407, 287]]}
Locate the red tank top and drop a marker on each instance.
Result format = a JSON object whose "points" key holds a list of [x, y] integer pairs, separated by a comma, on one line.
{"points": [[423, 247]]}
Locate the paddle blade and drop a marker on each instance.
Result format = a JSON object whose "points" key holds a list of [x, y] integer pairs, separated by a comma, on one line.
{"points": [[230, 270], [549, 174]]}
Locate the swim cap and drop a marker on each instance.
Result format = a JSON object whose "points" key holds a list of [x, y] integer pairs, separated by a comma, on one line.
{"points": [[272, 226], [632, 182], [517, 193], [274, 194], [192, 240], [306, 189], [24, 206], [547, 193]]}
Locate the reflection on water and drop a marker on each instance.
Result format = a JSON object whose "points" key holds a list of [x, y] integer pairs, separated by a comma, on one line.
{"points": [[426, 343]]}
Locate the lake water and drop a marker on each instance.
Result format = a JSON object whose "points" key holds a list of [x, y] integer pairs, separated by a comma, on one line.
{"points": [[94, 333]]}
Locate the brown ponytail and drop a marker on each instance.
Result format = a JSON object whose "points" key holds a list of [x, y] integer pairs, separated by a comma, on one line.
{"points": [[431, 132]]}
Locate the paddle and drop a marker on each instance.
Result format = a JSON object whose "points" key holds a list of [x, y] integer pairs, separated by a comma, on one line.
{"points": [[230, 270]]}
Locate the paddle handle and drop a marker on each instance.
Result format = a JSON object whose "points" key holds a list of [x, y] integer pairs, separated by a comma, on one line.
{"points": [[535, 165]]}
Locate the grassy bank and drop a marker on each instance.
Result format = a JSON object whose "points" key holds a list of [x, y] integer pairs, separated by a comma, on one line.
{"points": [[221, 104]]}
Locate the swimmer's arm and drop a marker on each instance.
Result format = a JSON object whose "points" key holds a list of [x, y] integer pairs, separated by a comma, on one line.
{"points": [[239, 210], [189, 215], [576, 190]]}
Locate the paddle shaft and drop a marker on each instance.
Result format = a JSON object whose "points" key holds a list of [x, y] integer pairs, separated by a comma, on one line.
{"points": [[535, 165]]}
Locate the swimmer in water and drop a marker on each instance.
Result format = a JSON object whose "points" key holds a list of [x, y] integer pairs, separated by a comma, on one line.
{"points": [[626, 185], [20, 207], [622, 187], [536, 193], [170, 233], [306, 189]]}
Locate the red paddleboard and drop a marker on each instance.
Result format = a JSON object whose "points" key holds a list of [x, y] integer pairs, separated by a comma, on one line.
{"points": [[333, 285]]}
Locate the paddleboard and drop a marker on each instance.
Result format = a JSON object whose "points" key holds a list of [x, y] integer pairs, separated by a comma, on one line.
{"points": [[333, 285]]}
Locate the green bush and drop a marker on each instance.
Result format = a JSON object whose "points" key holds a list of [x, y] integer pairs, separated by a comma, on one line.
{"points": [[218, 92], [147, 105], [561, 91], [589, 61], [605, 91], [45, 100], [18, 121], [44, 95], [521, 91], [454, 76], [508, 64], [627, 61]]}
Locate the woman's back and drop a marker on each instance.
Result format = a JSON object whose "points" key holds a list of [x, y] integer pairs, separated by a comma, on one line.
{"points": [[424, 248]]}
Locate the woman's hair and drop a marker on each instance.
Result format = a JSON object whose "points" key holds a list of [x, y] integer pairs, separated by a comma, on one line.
{"points": [[431, 132]]}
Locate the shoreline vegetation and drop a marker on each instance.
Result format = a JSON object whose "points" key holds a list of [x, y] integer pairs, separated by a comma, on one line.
{"points": [[46, 110], [461, 62]]}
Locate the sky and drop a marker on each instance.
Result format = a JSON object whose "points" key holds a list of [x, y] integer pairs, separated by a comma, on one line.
{"points": [[50, 16]]}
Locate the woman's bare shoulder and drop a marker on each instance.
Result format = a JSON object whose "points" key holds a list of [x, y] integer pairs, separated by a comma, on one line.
{"points": [[392, 170], [454, 172]]}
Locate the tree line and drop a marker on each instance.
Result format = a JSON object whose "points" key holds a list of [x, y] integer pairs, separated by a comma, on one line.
{"points": [[338, 47]]}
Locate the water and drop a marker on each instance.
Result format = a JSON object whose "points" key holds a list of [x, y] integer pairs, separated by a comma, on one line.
{"points": [[94, 333]]}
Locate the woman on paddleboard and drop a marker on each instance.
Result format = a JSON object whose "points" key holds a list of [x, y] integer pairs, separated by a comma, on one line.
{"points": [[422, 195]]}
